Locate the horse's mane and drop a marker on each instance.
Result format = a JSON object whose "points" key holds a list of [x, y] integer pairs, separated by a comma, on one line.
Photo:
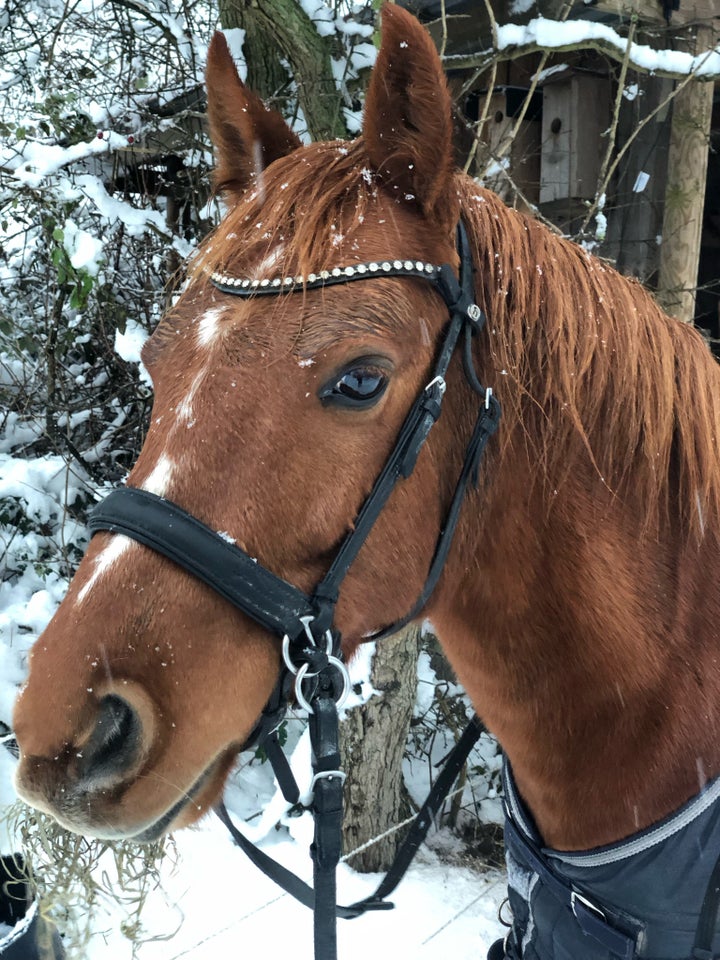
{"points": [[590, 366], [594, 364]]}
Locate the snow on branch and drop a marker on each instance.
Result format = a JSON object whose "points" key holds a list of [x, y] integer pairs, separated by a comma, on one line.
{"points": [[514, 40]]}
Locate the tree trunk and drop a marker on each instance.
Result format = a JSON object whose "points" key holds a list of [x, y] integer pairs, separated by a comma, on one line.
{"points": [[373, 739], [276, 29], [685, 194]]}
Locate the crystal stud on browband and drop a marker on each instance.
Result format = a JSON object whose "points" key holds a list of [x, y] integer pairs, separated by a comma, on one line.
{"points": [[241, 286]]}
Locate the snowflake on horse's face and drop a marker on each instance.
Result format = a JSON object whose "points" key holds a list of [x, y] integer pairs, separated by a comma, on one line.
{"points": [[578, 588]]}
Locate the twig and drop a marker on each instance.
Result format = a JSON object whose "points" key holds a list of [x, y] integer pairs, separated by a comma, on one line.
{"points": [[612, 132]]}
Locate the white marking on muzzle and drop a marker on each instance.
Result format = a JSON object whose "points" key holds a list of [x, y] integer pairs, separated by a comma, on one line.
{"points": [[157, 482]]}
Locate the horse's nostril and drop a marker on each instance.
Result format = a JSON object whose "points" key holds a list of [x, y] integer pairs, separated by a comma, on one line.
{"points": [[114, 744]]}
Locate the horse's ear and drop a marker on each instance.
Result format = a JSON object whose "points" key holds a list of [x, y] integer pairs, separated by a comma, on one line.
{"points": [[407, 125], [247, 135]]}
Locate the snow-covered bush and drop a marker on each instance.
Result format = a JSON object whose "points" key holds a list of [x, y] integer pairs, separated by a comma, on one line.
{"points": [[103, 194]]}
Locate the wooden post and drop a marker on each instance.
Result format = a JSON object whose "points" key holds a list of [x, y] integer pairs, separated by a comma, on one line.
{"points": [[685, 193]]}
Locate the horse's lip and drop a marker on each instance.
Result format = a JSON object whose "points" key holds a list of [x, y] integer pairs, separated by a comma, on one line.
{"points": [[156, 830]]}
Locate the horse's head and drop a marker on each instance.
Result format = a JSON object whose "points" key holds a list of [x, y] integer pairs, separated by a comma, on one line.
{"points": [[272, 418]]}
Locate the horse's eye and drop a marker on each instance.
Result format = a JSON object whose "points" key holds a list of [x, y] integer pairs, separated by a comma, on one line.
{"points": [[360, 385]]}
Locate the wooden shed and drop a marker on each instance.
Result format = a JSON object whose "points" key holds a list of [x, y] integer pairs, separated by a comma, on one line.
{"points": [[659, 217]]}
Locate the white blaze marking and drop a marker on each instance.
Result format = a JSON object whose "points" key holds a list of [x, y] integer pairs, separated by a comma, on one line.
{"points": [[158, 480], [104, 560], [185, 409], [208, 326], [269, 262]]}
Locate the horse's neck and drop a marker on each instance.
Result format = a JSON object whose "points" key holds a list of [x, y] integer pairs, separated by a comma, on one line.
{"points": [[591, 654]]}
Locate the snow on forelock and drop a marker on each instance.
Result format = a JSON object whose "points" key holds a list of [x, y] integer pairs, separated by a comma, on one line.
{"points": [[235, 37], [554, 33]]}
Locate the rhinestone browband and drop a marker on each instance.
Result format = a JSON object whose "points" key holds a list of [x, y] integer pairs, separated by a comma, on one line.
{"points": [[244, 287]]}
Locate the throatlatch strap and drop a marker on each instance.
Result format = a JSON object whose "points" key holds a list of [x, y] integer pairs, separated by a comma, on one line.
{"points": [[485, 426], [305, 894]]}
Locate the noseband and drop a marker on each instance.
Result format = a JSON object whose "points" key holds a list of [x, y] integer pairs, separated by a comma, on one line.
{"points": [[311, 644]]}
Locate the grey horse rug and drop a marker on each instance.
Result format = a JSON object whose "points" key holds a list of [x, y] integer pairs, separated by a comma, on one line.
{"points": [[654, 895]]}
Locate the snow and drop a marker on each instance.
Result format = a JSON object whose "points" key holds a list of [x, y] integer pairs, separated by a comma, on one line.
{"points": [[440, 910], [136, 219], [32, 162], [129, 344], [641, 181], [552, 34], [443, 907], [85, 250], [321, 15], [211, 897], [520, 6], [45, 485], [235, 37]]}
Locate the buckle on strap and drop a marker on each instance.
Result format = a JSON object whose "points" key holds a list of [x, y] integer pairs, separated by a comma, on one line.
{"points": [[308, 661], [328, 775]]}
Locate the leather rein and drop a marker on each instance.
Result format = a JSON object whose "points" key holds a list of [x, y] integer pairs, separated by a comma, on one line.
{"points": [[313, 667]]}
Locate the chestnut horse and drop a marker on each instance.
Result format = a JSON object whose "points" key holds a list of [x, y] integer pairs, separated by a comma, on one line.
{"points": [[578, 604]]}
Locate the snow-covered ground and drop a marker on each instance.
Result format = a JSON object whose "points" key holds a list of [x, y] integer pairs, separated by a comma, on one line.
{"points": [[224, 907]]}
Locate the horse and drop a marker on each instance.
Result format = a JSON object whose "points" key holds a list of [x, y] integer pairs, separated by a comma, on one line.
{"points": [[577, 604]]}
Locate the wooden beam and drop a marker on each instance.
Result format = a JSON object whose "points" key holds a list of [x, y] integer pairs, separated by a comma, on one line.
{"points": [[691, 12], [685, 195]]}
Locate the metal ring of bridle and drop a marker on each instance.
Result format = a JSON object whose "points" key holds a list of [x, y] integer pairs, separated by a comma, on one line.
{"points": [[311, 653]]}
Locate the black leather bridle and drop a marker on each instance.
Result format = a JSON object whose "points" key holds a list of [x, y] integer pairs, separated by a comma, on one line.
{"points": [[311, 644]]}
